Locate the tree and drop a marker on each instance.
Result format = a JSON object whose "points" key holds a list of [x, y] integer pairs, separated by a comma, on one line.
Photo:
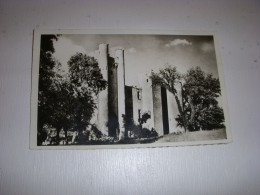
{"points": [[45, 93], [60, 118], [137, 129], [73, 100], [197, 104], [170, 78], [66, 101], [200, 92], [85, 82]]}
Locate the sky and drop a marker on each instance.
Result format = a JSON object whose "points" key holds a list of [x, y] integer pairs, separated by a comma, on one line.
{"points": [[144, 53]]}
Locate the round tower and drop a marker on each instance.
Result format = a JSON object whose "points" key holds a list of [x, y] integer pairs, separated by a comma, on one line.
{"points": [[119, 59], [147, 96], [102, 117]]}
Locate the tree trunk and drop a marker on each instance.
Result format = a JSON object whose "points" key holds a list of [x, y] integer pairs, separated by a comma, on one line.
{"points": [[66, 135], [58, 135], [193, 111], [41, 135], [181, 111]]}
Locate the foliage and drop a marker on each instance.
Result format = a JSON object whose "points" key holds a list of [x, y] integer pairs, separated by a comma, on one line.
{"points": [[167, 77], [145, 116], [137, 129], [46, 91], [200, 92], [85, 74], [66, 101], [197, 98], [170, 78], [86, 81]]}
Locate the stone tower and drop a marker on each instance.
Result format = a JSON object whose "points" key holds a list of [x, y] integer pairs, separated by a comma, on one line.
{"points": [[147, 96], [113, 129], [112, 104], [120, 61], [157, 110], [111, 101], [160, 110], [102, 116]]}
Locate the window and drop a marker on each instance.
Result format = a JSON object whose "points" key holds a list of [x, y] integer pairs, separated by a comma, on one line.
{"points": [[139, 115], [139, 95]]}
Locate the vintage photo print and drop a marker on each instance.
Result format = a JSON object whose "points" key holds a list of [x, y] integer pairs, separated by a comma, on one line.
{"points": [[123, 89]]}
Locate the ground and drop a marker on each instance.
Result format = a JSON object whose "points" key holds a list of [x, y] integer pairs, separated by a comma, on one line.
{"points": [[194, 136], [92, 139]]}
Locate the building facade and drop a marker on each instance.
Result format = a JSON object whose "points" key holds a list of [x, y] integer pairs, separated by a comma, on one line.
{"points": [[119, 102]]}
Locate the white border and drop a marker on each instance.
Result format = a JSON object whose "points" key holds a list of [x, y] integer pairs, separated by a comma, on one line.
{"points": [[34, 90]]}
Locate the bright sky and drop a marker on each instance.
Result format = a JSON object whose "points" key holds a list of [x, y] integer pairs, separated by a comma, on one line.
{"points": [[144, 53]]}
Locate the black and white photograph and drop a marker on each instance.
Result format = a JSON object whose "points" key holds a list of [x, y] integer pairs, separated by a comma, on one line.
{"points": [[110, 89]]}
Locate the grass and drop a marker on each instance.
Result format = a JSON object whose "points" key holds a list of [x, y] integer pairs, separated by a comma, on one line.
{"points": [[216, 134]]}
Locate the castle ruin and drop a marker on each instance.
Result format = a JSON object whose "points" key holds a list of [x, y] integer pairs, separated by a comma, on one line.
{"points": [[119, 100]]}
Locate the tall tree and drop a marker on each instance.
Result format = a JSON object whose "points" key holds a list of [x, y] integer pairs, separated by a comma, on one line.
{"points": [[46, 75], [73, 94], [86, 81], [197, 101], [200, 92], [66, 101]]}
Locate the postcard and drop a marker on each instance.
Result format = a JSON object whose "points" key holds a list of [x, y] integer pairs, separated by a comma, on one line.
{"points": [[104, 89]]}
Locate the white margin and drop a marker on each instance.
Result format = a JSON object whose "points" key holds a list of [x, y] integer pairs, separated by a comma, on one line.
{"points": [[34, 89]]}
